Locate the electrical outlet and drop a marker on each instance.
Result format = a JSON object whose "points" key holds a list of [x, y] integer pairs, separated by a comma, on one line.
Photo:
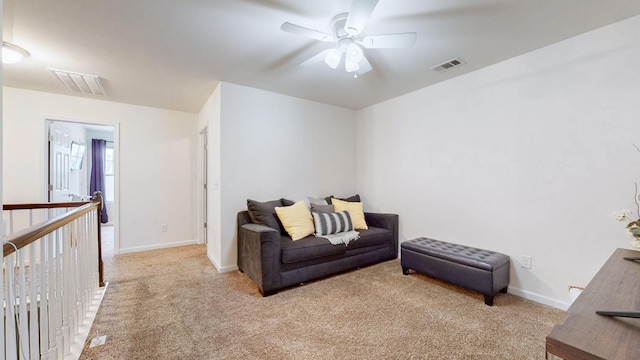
{"points": [[526, 261], [163, 228]]}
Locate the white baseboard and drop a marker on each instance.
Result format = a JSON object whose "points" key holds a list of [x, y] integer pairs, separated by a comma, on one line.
{"points": [[562, 305], [159, 246], [222, 269]]}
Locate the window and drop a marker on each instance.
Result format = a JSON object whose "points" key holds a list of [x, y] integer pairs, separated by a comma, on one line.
{"points": [[109, 166]]}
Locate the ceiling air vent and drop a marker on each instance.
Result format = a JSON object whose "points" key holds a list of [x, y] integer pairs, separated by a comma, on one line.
{"points": [[448, 65], [79, 83]]}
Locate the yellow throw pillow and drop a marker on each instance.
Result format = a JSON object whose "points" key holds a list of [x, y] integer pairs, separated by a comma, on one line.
{"points": [[296, 219], [356, 210]]}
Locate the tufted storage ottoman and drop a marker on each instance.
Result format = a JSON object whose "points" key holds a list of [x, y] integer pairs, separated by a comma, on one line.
{"points": [[476, 269]]}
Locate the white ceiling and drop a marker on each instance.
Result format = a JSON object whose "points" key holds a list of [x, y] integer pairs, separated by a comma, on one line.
{"points": [[172, 53]]}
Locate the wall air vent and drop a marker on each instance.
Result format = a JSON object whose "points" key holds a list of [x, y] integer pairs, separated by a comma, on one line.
{"points": [[79, 83], [448, 65]]}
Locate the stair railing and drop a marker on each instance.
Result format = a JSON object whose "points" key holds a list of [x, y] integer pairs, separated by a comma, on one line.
{"points": [[52, 280]]}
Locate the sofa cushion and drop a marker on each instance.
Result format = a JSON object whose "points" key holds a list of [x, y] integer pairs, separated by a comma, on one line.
{"points": [[370, 237], [356, 210], [287, 202], [317, 201], [308, 248], [354, 198], [264, 213], [296, 219], [322, 208], [332, 222]]}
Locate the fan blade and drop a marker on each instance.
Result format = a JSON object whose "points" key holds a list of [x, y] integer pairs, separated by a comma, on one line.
{"points": [[364, 65], [317, 58], [359, 15], [404, 40], [303, 31]]}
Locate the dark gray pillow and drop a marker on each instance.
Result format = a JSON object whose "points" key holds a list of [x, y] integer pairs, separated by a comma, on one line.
{"points": [[317, 201], [322, 208], [354, 198], [264, 213], [287, 202]]}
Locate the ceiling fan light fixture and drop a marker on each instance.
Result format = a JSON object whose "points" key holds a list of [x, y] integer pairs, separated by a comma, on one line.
{"points": [[333, 58], [354, 53], [350, 66], [12, 54], [346, 28]]}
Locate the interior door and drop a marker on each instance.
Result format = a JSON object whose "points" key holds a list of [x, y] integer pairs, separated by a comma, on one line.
{"points": [[59, 162]]}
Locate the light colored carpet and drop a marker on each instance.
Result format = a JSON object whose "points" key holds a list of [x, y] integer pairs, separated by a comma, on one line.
{"points": [[173, 304]]}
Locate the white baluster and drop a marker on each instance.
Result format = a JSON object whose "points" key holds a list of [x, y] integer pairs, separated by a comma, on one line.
{"points": [[23, 306], [10, 318], [73, 279], [44, 296], [10, 222], [59, 291], [33, 301], [66, 288]]}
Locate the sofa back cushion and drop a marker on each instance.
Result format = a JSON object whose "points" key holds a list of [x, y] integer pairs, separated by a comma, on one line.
{"points": [[354, 198], [264, 213], [322, 208]]}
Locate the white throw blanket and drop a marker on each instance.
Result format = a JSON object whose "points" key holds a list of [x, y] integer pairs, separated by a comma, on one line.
{"points": [[342, 237]]}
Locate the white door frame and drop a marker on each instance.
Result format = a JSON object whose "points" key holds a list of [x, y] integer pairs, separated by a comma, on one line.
{"points": [[203, 188], [114, 218]]}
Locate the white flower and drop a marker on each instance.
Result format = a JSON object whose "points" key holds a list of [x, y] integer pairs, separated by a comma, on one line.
{"points": [[622, 215]]}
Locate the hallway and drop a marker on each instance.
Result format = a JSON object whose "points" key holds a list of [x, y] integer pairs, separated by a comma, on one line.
{"points": [[107, 241]]}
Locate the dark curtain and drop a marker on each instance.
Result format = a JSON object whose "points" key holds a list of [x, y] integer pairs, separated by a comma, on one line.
{"points": [[98, 147]]}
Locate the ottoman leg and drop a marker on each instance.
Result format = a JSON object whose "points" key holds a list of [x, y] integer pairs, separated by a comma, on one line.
{"points": [[488, 299], [405, 270]]}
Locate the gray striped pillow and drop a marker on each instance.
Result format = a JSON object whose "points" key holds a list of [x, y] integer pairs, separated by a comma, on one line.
{"points": [[332, 223]]}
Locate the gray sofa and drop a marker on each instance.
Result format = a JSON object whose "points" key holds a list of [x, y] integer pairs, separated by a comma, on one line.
{"points": [[268, 256]]}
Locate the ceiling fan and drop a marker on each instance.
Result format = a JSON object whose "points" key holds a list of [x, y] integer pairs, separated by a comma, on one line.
{"points": [[347, 28]]}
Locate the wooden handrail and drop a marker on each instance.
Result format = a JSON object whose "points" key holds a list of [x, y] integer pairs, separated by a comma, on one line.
{"points": [[71, 204], [25, 237]]}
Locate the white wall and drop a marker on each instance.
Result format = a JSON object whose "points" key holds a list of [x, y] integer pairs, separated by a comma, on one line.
{"points": [[157, 161], [529, 156], [271, 146]]}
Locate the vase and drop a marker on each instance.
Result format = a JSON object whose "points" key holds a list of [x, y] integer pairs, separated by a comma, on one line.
{"points": [[635, 243]]}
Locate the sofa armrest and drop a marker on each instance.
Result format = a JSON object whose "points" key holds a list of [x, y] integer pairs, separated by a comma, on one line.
{"points": [[389, 222], [259, 255]]}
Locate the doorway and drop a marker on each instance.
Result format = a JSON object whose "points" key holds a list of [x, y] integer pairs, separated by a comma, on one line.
{"points": [[68, 170]]}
